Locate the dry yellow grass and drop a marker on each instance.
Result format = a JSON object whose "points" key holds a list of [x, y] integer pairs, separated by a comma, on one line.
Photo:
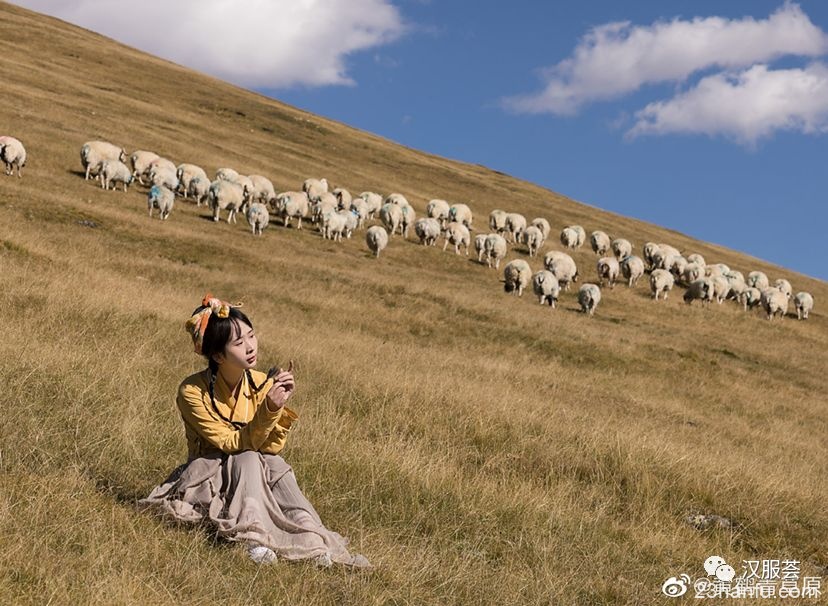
{"points": [[478, 448]]}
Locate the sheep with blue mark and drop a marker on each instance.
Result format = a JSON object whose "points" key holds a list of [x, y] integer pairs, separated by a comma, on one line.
{"points": [[161, 198], [461, 213]]}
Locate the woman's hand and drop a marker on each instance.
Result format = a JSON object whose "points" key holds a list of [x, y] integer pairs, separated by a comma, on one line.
{"points": [[281, 390]]}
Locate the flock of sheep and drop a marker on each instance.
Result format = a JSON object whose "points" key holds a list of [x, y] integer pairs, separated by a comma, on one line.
{"points": [[337, 213]]}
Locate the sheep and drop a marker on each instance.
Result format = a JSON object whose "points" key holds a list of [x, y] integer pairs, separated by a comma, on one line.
{"points": [[225, 194], [711, 271], [227, 174], [263, 190], [457, 234], [722, 268], [163, 164], [581, 234], [185, 173], [621, 248], [774, 302], [115, 171], [391, 216], [360, 207], [343, 198], [427, 230], [677, 266], [13, 154], [373, 202], [608, 269], [600, 242], [661, 281], [199, 189], [397, 199], [669, 250], [736, 275], [248, 190], [701, 289], [757, 279], [141, 160], [804, 303], [691, 273], [161, 175], [647, 252], [721, 288], [515, 224], [314, 187], [569, 237], [737, 284], [333, 225], [408, 218], [663, 259], [461, 213], [376, 238], [543, 225], [783, 285], [495, 247], [633, 268], [589, 295], [161, 198], [696, 258], [546, 287], [438, 209], [563, 266], [480, 246], [516, 276], [497, 220], [750, 297], [258, 217], [93, 153], [351, 219], [323, 203], [533, 238], [291, 205]]}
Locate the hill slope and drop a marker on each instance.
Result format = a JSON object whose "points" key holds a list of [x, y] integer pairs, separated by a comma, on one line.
{"points": [[476, 447]]}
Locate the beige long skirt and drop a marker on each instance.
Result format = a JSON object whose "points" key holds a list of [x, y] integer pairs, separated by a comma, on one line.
{"points": [[249, 497]]}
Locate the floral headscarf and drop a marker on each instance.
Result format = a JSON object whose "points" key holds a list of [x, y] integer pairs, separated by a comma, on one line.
{"points": [[197, 323]]}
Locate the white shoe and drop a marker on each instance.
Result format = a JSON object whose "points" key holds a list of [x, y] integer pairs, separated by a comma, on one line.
{"points": [[323, 561], [261, 554]]}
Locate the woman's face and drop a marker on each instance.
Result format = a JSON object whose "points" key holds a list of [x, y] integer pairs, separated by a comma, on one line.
{"points": [[242, 348]]}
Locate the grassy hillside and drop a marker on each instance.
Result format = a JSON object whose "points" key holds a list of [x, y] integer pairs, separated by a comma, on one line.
{"points": [[478, 448]]}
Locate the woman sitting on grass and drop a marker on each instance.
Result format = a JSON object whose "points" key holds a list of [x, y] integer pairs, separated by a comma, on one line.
{"points": [[236, 421]]}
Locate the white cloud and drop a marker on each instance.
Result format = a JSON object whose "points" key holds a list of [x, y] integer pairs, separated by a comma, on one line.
{"points": [[252, 43], [618, 58], [745, 105]]}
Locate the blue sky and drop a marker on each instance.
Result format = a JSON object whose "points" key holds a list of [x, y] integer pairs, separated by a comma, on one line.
{"points": [[712, 127]]}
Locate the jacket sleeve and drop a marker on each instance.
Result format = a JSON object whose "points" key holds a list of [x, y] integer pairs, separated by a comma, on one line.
{"points": [[198, 415], [275, 442]]}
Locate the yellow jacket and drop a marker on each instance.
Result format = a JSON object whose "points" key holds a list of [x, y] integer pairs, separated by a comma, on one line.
{"points": [[207, 433]]}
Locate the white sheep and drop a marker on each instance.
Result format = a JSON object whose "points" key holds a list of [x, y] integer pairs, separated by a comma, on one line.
{"points": [[711, 271], [391, 216], [185, 173], [696, 258], [543, 225], [314, 187], [199, 189], [323, 203], [343, 198], [589, 295], [750, 297], [427, 230], [497, 220], [263, 190], [333, 225], [804, 303], [533, 238], [495, 247], [461, 213], [257, 217], [737, 284], [563, 266], [13, 154], [360, 207], [691, 273], [351, 221], [516, 276], [663, 259], [647, 252], [458, 235], [600, 242], [408, 219], [701, 289], [515, 224], [721, 288], [438, 209], [163, 164], [621, 248], [633, 268], [227, 195], [161, 198], [373, 201], [569, 237], [783, 285], [93, 153], [757, 279], [581, 234], [546, 287], [115, 171], [774, 302], [376, 238], [677, 266], [227, 174], [291, 205], [608, 269], [480, 246], [162, 175], [141, 160], [661, 281], [398, 199]]}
